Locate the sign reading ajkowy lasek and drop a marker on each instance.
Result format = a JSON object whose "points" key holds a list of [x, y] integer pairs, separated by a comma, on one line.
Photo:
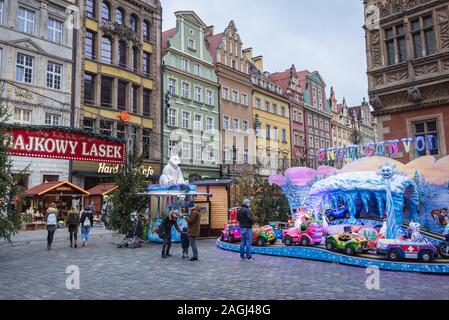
{"points": [[64, 144]]}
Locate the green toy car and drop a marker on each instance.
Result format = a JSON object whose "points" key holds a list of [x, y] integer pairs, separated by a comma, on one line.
{"points": [[348, 243]]}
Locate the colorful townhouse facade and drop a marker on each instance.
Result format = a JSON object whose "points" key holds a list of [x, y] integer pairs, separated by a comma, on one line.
{"points": [[271, 119], [119, 50], [191, 123], [236, 116], [317, 115], [364, 124], [289, 82]]}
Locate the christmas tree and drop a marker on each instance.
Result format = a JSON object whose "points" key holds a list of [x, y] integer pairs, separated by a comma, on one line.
{"points": [[9, 190]]}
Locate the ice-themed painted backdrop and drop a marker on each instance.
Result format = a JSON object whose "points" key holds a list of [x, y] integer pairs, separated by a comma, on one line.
{"points": [[420, 188]]}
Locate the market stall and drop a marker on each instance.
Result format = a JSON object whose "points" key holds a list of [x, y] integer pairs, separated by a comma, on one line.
{"points": [[63, 193], [99, 194]]}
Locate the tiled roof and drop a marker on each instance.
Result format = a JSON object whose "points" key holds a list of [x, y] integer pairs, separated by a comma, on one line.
{"points": [[213, 42], [167, 35], [49, 186], [102, 189]]}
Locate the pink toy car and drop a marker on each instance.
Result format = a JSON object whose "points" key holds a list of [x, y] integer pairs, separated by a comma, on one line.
{"points": [[311, 232]]}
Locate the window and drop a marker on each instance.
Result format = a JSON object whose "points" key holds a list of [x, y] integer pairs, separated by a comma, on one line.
{"points": [[146, 30], [284, 136], [191, 44], [210, 152], [315, 120], [89, 45], [185, 90], [52, 119], [25, 20], [275, 108], [235, 96], [258, 103], [275, 134], [395, 44], [89, 124], [209, 124], [224, 93], [119, 16], [317, 142], [198, 123], [106, 127], [186, 150], [146, 65], [134, 58], [198, 152], [425, 129], [309, 120], [133, 134], [267, 133], [90, 8], [185, 64], [423, 36], [310, 142], [24, 68], [172, 146], [172, 115], [146, 143], [244, 99], [54, 73], [55, 30], [122, 54], [133, 99], [227, 153], [283, 111], [133, 22], [172, 86], [209, 97], [105, 12], [106, 91], [326, 125], [89, 85], [121, 131], [296, 139], [106, 50], [234, 64], [196, 69], [245, 127], [22, 116], [121, 97], [321, 124], [146, 103], [186, 120], [226, 122], [235, 124], [197, 96], [245, 156], [1, 11], [267, 106]]}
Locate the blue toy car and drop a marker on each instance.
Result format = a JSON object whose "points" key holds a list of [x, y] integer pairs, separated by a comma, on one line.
{"points": [[278, 228], [340, 213]]}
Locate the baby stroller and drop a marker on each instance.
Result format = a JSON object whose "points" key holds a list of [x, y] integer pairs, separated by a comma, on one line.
{"points": [[134, 238]]}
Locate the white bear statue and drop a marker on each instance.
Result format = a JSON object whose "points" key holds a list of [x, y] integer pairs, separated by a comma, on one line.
{"points": [[172, 173]]}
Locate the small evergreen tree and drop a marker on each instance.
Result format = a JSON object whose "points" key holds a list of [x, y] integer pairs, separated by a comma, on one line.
{"points": [[9, 189], [130, 181]]}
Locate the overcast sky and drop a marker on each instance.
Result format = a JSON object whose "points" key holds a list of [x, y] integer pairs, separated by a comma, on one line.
{"points": [[323, 35]]}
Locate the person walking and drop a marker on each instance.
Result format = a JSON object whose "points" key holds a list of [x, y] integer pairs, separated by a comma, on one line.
{"points": [[246, 221], [51, 224], [165, 232], [193, 231], [87, 222], [73, 222]]}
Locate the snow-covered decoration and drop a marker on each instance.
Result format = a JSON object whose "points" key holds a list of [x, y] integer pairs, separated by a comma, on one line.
{"points": [[172, 173], [388, 188]]}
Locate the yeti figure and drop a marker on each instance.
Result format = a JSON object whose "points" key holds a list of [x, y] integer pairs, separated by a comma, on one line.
{"points": [[172, 173]]}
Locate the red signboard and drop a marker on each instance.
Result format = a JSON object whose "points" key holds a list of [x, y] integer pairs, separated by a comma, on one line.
{"points": [[58, 144]]}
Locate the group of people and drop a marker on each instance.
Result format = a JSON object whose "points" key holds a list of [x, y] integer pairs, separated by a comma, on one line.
{"points": [[189, 234], [73, 221]]}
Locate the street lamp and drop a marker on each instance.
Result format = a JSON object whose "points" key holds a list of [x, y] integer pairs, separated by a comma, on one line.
{"points": [[234, 161]]}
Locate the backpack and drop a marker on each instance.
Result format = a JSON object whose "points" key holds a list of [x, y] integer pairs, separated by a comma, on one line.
{"points": [[86, 222], [72, 221], [51, 219]]}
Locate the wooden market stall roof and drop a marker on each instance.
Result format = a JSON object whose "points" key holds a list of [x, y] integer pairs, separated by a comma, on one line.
{"points": [[56, 188], [102, 189]]}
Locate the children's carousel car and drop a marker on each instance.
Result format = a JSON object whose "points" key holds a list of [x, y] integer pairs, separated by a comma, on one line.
{"points": [[278, 228], [308, 233], [340, 213], [231, 232], [396, 250], [263, 235], [349, 243]]}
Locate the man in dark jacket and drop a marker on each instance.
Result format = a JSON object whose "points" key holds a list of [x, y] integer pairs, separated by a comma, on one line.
{"points": [[167, 223], [193, 230], [246, 221]]}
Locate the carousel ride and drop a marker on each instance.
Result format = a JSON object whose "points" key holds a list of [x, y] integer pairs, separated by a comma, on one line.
{"points": [[354, 218]]}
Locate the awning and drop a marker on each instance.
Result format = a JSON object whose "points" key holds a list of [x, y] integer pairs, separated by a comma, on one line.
{"points": [[55, 188], [172, 193], [102, 189]]}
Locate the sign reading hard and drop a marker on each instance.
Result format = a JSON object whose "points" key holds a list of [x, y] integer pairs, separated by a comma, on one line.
{"points": [[58, 144]]}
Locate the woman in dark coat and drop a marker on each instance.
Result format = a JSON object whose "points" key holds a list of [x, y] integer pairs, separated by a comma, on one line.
{"points": [[166, 225]]}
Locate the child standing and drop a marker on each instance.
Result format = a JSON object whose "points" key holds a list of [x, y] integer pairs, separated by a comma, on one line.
{"points": [[185, 243]]}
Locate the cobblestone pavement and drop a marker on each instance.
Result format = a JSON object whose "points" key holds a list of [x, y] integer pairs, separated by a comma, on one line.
{"points": [[29, 271]]}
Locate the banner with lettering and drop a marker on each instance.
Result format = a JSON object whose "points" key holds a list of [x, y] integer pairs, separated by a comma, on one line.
{"points": [[59, 143]]}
